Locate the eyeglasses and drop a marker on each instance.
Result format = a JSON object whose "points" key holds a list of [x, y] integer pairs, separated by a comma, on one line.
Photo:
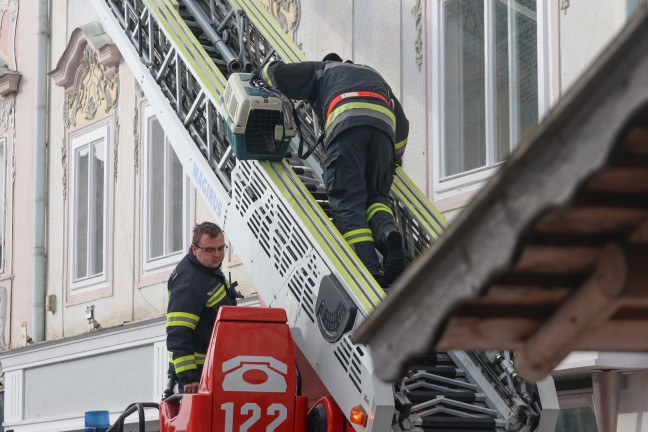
{"points": [[211, 250]]}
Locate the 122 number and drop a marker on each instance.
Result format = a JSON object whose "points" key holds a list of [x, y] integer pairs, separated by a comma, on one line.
{"points": [[276, 410]]}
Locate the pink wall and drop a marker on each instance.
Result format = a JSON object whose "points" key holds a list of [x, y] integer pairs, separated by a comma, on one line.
{"points": [[20, 37]]}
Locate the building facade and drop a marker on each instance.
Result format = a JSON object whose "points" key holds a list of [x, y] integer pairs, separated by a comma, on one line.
{"points": [[97, 209]]}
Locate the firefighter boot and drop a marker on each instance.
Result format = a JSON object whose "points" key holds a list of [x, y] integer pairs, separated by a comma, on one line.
{"points": [[391, 248], [366, 251]]}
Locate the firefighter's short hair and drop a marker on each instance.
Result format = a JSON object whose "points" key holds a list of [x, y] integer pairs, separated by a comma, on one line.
{"points": [[209, 228]]}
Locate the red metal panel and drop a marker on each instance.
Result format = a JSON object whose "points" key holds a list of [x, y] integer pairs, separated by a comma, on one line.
{"points": [[271, 315], [190, 412], [251, 371]]}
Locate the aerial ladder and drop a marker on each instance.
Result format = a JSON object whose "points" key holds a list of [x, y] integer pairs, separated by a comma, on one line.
{"points": [[275, 214]]}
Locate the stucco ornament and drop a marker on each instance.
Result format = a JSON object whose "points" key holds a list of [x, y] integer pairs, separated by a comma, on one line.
{"points": [[88, 72], [7, 114], [417, 11], [8, 128], [96, 93], [64, 165], [136, 124], [116, 149], [287, 12], [11, 5], [136, 137]]}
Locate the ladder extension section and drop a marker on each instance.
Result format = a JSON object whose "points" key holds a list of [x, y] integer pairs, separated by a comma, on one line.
{"points": [[275, 213]]}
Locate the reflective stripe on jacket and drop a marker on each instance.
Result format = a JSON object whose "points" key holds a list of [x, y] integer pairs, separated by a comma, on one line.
{"points": [[195, 294]]}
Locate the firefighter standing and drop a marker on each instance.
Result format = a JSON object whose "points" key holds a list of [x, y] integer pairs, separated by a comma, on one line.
{"points": [[197, 288], [366, 133]]}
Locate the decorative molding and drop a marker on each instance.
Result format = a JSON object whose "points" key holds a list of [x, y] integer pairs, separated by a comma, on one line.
{"points": [[417, 11], [4, 300], [7, 115], [92, 35], [88, 72], [287, 12], [139, 94], [116, 148], [136, 136], [104, 341], [64, 165], [9, 80], [13, 384], [96, 92], [160, 368]]}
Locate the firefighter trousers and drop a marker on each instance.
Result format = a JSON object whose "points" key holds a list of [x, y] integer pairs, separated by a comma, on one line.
{"points": [[358, 174]]}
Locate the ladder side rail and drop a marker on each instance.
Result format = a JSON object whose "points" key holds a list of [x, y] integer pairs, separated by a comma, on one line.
{"points": [[192, 159], [507, 411]]}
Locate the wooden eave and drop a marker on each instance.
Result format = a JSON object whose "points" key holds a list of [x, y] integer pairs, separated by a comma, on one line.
{"points": [[552, 255]]}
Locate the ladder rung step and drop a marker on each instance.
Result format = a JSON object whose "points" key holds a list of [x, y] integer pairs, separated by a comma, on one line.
{"points": [[445, 429], [422, 395], [462, 423], [210, 50], [432, 358], [419, 396], [444, 371]]}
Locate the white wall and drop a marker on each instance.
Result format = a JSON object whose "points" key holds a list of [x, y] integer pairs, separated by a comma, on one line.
{"points": [[586, 27], [633, 404], [382, 34]]}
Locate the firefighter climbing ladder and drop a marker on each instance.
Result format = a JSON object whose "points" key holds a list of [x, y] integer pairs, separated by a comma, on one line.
{"points": [[275, 214]]}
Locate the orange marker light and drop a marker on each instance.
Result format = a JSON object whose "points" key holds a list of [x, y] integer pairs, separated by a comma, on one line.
{"points": [[358, 416]]}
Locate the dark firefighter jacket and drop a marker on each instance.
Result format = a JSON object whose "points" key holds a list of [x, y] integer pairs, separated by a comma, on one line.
{"points": [[343, 95], [195, 294]]}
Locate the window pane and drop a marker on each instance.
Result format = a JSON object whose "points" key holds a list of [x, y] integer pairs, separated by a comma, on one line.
{"points": [[468, 104], [502, 81], [98, 173], [165, 199], [81, 213], [155, 190], [527, 64], [576, 419], [176, 204], [465, 135]]}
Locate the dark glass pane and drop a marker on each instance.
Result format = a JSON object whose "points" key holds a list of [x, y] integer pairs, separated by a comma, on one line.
{"points": [[176, 205], [99, 216], [80, 219], [527, 61], [465, 134], [155, 169], [576, 420], [502, 81]]}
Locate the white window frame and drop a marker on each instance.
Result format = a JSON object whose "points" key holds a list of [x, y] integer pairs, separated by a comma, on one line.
{"points": [[77, 141], [154, 264], [448, 186], [4, 203]]}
